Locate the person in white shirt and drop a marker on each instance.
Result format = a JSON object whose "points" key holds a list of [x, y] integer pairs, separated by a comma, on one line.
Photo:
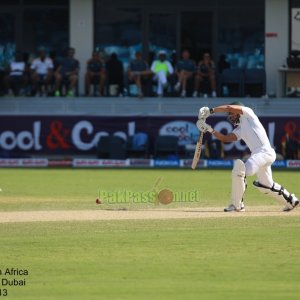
{"points": [[161, 69], [17, 79], [251, 131], [42, 73]]}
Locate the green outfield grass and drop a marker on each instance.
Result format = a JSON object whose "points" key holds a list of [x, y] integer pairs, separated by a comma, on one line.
{"points": [[78, 189], [207, 258], [245, 258]]}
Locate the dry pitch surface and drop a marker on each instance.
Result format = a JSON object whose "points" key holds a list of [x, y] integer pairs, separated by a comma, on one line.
{"points": [[100, 214]]}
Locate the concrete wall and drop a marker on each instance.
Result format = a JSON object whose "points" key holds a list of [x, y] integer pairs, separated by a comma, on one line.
{"points": [[276, 47], [82, 33]]}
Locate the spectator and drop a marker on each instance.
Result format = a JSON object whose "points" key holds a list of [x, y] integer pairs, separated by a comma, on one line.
{"points": [[185, 69], [17, 74], [161, 69], [115, 75], [95, 73], [223, 64], [67, 73], [42, 73], [205, 76], [138, 72]]}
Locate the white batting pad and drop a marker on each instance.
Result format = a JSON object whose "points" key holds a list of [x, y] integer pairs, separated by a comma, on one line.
{"points": [[278, 192], [238, 183]]}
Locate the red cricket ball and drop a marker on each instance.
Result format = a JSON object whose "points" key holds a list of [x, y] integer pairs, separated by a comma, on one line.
{"points": [[98, 201]]}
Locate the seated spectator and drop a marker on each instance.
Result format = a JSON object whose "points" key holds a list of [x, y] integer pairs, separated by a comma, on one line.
{"points": [[95, 73], [185, 69], [67, 73], [205, 77], [161, 69], [42, 73], [17, 79], [138, 72], [115, 75]]}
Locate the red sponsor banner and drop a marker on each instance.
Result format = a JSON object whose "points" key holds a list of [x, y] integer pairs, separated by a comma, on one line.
{"points": [[293, 164], [83, 163], [60, 163], [26, 162]]}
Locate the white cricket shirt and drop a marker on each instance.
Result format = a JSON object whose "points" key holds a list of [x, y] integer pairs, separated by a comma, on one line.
{"points": [[42, 67], [251, 131], [17, 68]]}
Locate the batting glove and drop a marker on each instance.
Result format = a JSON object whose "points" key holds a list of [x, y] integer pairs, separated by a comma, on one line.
{"points": [[205, 112], [202, 126]]}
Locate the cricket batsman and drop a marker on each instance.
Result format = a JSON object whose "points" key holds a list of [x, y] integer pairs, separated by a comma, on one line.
{"points": [[250, 130]]}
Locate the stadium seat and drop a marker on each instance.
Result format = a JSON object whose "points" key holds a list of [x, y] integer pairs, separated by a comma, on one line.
{"points": [[138, 145], [111, 147], [255, 82], [117, 148], [166, 145], [103, 147], [234, 80]]}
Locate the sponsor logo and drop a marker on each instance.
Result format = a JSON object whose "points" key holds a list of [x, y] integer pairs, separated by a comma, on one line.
{"points": [[188, 163], [293, 163], [187, 132], [140, 162], [24, 140], [219, 163], [24, 162], [166, 163], [60, 163], [100, 163], [279, 164]]}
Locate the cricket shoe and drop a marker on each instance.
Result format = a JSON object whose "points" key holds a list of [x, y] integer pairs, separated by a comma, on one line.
{"points": [[294, 203], [231, 208]]}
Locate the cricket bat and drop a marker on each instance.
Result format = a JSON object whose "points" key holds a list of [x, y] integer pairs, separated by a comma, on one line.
{"points": [[197, 151]]}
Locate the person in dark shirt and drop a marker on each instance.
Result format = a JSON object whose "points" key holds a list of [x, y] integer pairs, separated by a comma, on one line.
{"points": [[115, 73], [184, 69], [138, 72], [95, 73], [206, 75], [67, 72]]}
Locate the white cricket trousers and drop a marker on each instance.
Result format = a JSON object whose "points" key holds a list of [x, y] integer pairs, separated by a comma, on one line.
{"points": [[260, 164], [161, 79]]}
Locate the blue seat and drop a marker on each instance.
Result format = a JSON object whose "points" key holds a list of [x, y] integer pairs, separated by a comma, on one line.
{"points": [[255, 82], [233, 79], [112, 147], [166, 145], [138, 145]]}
